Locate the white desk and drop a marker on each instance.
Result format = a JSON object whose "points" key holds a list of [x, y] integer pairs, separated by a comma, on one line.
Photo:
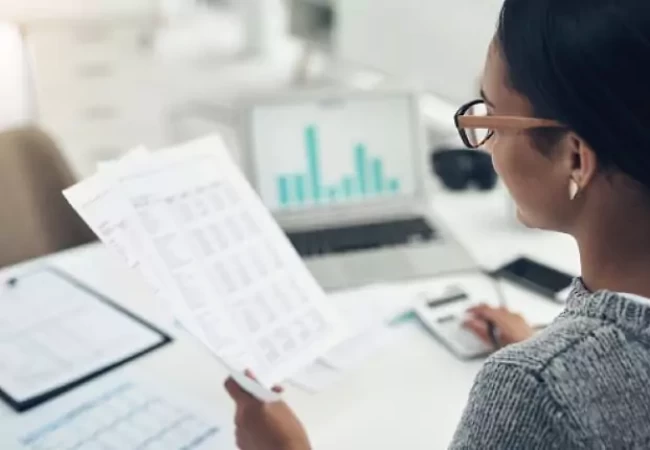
{"points": [[411, 395]]}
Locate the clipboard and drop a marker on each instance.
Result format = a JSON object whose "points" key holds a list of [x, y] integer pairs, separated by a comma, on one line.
{"points": [[32, 322]]}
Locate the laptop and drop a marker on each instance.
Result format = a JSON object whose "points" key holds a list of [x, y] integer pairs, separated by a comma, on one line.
{"points": [[345, 175]]}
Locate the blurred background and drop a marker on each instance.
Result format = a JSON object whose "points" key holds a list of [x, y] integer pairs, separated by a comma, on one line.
{"points": [[101, 76], [98, 77]]}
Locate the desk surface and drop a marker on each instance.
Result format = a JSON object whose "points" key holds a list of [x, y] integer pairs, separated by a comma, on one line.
{"points": [[410, 395]]}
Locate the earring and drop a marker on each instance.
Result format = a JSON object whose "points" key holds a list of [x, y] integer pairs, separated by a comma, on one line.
{"points": [[573, 189]]}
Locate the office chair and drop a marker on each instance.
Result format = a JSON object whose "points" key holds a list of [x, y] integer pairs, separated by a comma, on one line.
{"points": [[35, 219]]}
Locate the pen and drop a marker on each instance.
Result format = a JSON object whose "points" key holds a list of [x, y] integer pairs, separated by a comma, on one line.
{"points": [[493, 333]]}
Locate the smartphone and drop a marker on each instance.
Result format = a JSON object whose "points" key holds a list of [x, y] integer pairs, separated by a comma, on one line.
{"points": [[538, 277]]}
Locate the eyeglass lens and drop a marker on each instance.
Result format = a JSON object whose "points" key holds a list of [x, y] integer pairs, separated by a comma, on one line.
{"points": [[477, 136]]}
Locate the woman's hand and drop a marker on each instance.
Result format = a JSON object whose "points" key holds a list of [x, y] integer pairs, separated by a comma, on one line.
{"points": [[509, 327], [265, 426]]}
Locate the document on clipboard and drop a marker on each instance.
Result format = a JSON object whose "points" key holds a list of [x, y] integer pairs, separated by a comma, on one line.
{"points": [[56, 334]]}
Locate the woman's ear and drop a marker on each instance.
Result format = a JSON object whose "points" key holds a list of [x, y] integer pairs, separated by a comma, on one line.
{"points": [[582, 161]]}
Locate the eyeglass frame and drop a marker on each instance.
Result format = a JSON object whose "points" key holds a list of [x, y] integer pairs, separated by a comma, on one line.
{"points": [[492, 123]]}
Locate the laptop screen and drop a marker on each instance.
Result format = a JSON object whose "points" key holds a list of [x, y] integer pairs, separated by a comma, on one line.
{"points": [[334, 152]]}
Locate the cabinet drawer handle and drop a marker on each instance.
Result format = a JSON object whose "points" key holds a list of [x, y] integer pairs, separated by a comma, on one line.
{"points": [[96, 70], [92, 35], [99, 112]]}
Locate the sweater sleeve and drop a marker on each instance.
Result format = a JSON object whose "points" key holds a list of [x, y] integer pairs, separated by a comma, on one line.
{"points": [[510, 408]]}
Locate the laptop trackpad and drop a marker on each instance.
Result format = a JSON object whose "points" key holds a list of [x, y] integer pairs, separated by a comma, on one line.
{"points": [[378, 266], [329, 272]]}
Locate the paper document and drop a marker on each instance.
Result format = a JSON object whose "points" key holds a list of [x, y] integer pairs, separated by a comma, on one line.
{"points": [[368, 312], [317, 377], [119, 414], [53, 333], [353, 352], [226, 269], [370, 306]]}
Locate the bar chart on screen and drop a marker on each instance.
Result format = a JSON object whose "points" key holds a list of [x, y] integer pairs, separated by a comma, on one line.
{"points": [[367, 177], [328, 153]]}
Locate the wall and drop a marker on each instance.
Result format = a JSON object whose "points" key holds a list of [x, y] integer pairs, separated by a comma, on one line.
{"points": [[438, 44]]}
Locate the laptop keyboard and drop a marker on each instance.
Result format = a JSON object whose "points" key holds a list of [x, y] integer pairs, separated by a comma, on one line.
{"points": [[361, 237]]}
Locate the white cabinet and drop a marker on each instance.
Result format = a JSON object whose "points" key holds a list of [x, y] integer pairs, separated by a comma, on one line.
{"points": [[16, 107], [97, 87], [30, 10]]}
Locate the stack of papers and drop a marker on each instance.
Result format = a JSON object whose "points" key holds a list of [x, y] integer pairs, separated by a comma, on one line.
{"points": [[368, 312], [187, 220]]}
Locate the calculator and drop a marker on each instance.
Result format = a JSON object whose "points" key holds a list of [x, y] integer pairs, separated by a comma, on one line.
{"points": [[443, 315]]}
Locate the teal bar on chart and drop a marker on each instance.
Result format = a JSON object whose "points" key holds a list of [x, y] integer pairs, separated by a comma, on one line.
{"points": [[313, 162], [283, 191], [300, 185], [348, 187], [333, 193], [361, 164], [366, 176], [378, 176]]}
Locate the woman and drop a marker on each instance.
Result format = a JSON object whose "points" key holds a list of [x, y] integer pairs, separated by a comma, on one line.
{"points": [[567, 90]]}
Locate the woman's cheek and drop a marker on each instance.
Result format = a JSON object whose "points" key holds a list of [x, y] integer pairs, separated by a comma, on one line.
{"points": [[505, 166], [492, 148]]}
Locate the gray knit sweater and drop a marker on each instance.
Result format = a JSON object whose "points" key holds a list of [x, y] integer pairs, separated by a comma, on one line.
{"points": [[583, 383]]}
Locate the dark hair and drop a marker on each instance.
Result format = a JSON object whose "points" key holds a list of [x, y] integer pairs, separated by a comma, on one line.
{"points": [[586, 64]]}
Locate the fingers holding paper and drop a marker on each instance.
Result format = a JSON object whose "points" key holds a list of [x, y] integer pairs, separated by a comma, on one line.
{"points": [[265, 426], [276, 389]]}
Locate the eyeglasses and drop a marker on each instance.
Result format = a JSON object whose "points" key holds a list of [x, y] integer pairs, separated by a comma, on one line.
{"points": [[476, 126]]}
